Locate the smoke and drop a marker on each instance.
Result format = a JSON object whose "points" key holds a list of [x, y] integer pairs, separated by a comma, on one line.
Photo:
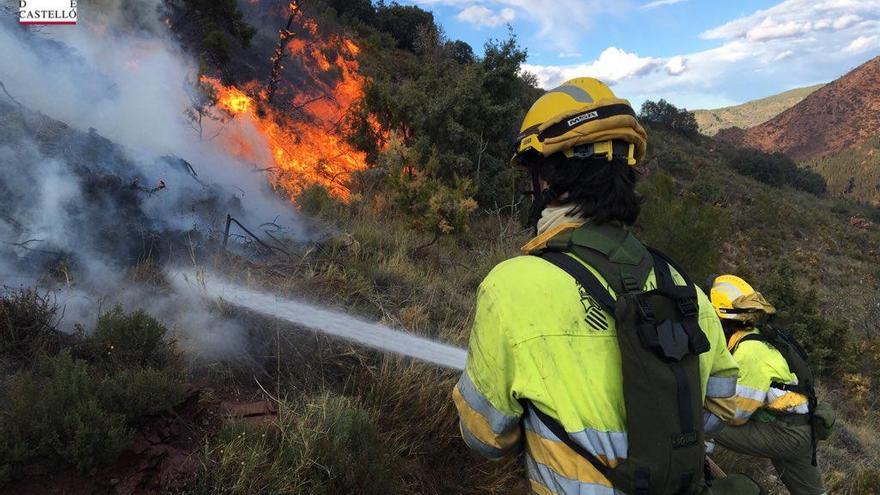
{"points": [[101, 168]]}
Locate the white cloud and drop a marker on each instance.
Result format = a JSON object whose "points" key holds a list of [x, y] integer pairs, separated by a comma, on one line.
{"points": [[861, 44], [483, 16], [794, 43], [676, 65], [845, 21], [793, 18], [783, 55], [613, 65], [771, 29], [660, 3]]}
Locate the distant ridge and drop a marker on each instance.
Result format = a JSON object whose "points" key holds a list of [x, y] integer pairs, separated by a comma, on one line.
{"points": [[751, 113], [842, 114]]}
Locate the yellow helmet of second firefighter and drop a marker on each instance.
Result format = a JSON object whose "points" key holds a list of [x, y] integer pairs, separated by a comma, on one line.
{"points": [[734, 299], [583, 117]]}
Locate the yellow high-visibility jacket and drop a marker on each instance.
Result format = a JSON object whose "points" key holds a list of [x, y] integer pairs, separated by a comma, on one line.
{"points": [[537, 335], [760, 365]]}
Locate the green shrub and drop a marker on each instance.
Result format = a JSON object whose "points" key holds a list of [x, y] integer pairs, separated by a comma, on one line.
{"points": [[141, 392], [132, 339], [326, 446], [27, 325], [777, 170], [66, 411], [681, 226], [434, 206], [55, 413], [80, 410], [315, 200]]}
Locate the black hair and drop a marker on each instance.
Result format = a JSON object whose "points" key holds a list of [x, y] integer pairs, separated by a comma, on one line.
{"points": [[598, 189], [730, 327]]}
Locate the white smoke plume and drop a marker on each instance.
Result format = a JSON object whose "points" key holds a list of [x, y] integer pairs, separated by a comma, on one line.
{"points": [[116, 78]]}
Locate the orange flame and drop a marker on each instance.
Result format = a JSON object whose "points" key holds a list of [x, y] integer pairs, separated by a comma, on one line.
{"points": [[306, 145]]}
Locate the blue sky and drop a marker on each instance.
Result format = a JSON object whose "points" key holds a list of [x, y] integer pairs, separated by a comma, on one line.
{"points": [[695, 53]]}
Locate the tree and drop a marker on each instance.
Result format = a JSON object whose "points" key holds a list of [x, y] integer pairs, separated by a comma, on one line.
{"points": [[461, 52], [668, 115], [458, 116], [202, 110], [403, 23], [361, 10]]}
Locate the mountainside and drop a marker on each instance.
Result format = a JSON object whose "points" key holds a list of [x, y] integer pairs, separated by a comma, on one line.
{"points": [[842, 114], [853, 173], [751, 113]]}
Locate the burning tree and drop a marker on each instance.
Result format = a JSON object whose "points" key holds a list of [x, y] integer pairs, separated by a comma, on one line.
{"points": [[203, 98], [300, 127]]}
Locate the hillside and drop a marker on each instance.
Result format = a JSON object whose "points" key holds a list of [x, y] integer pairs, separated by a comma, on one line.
{"points": [[751, 113], [853, 173], [844, 113]]}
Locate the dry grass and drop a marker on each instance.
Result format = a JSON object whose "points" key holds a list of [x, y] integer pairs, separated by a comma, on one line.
{"points": [[371, 266]]}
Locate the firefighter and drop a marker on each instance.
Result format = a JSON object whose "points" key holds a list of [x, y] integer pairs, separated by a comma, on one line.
{"points": [[773, 416], [545, 370]]}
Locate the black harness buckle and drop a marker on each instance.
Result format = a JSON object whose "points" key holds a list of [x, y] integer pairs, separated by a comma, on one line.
{"points": [[688, 307]]}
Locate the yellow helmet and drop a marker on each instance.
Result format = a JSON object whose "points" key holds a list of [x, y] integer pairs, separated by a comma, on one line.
{"points": [[581, 117], [734, 299]]}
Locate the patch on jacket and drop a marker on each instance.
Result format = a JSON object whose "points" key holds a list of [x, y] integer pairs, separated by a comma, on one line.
{"points": [[594, 316]]}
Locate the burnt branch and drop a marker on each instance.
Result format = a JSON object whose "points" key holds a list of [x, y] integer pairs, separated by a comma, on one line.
{"points": [[284, 37], [11, 221]]}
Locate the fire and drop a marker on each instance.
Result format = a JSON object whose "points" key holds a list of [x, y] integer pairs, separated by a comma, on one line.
{"points": [[303, 133], [234, 100]]}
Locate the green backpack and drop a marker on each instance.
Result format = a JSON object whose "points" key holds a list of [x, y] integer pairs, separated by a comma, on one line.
{"points": [[821, 415], [660, 342]]}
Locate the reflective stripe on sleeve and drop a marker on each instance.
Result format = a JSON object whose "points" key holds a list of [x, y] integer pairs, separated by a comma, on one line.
{"points": [[610, 446], [476, 425], [751, 393], [481, 448], [498, 421], [748, 400], [555, 483], [791, 402], [721, 386]]}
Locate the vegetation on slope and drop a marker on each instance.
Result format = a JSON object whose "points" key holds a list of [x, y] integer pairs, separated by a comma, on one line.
{"points": [[76, 400], [853, 173], [751, 113]]}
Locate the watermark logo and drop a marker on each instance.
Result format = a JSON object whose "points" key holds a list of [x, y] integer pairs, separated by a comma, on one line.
{"points": [[47, 12]]}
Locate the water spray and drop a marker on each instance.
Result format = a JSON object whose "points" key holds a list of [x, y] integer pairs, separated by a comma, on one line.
{"points": [[323, 320]]}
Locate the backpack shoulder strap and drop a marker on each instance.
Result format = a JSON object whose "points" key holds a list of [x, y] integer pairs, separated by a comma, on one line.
{"points": [[663, 273], [754, 337], [583, 275], [685, 298]]}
